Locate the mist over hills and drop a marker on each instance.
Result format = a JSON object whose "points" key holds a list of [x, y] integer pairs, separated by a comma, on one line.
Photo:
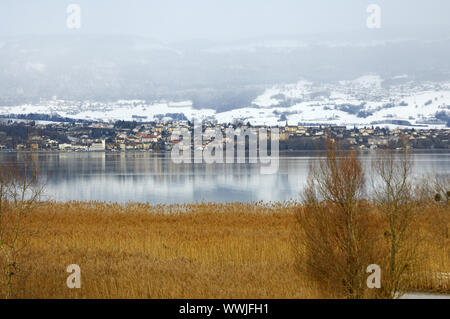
{"points": [[226, 76], [217, 75]]}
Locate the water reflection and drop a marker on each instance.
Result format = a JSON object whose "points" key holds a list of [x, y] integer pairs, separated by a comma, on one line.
{"points": [[154, 178]]}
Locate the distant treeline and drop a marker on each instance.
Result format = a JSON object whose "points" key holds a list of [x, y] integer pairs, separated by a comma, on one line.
{"points": [[11, 135], [310, 143], [43, 117]]}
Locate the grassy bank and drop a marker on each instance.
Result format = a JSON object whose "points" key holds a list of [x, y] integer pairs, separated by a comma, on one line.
{"points": [[192, 251]]}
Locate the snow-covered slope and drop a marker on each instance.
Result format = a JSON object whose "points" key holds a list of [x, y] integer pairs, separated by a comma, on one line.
{"points": [[127, 110], [363, 101]]}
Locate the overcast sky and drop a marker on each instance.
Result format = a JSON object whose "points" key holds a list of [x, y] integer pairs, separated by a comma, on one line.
{"points": [[173, 20]]}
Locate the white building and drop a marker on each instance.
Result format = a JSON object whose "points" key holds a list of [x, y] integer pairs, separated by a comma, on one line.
{"points": [[98, 147], [65, 146]]}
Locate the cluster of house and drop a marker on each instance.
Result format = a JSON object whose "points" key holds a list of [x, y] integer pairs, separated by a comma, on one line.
{"points": [[370, 137], [157, 136], [107, 137]]}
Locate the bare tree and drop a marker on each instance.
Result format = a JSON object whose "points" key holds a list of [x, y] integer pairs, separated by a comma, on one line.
{"points": [[20, 192], [393, 194], [333, 224]]}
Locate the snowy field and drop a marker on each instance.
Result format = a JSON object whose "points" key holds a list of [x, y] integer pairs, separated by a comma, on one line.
{"points": [[363, 101]]}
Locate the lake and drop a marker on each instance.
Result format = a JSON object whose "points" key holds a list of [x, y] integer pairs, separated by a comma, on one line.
{"points": [[154, 178]]}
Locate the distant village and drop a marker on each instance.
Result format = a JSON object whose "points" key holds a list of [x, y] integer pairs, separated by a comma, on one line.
{"points": [[156, 136]]}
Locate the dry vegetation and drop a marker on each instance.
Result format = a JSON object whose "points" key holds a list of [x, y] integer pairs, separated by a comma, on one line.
{"points": [[345, 226], [317, 248], [191, 251], [139, 251]]}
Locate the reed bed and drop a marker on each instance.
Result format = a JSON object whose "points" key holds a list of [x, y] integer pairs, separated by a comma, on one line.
{"points": [[204, 250]]}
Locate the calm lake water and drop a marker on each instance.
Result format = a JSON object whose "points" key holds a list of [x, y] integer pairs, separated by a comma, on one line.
{"points": [[154, 178]]}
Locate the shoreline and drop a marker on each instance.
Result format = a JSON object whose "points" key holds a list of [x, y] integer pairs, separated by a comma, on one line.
{"points": [[281, 152]]}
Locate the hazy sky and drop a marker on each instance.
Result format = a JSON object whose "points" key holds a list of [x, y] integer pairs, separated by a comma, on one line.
{"points": [[172, 20]]}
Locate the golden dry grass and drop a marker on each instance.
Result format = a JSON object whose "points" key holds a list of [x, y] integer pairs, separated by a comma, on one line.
{"points": [[185, 251]]}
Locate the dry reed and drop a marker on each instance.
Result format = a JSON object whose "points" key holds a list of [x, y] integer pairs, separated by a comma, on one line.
{"points": [[202, 250]]}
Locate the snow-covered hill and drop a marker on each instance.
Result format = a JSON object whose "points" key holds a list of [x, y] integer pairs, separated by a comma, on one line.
{"points": [[363, 101], [367, 100]]}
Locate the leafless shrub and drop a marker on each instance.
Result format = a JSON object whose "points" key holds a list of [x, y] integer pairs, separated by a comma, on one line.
{"points": [[432, 196], [394, 197], [20, 191], [441, 186], [334, 224]]}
